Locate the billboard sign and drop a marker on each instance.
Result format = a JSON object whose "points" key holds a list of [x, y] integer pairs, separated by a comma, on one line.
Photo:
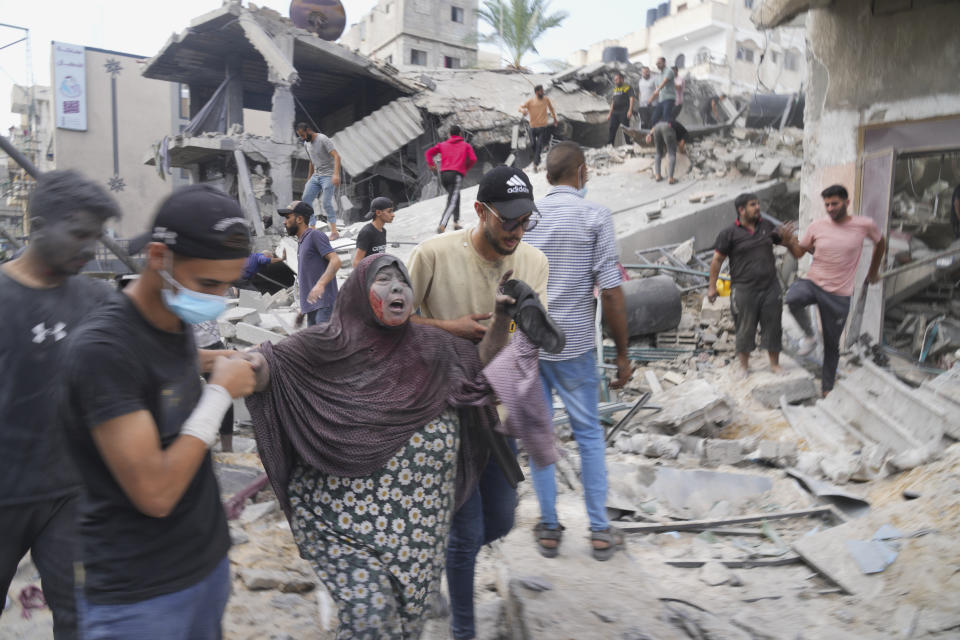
{"points": [[70, 86]]}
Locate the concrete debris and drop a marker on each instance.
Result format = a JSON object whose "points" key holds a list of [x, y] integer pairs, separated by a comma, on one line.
{"points": [[254, 335], [255, 512], [688, 408], [714, 574], [284, 581], [795, 385]]}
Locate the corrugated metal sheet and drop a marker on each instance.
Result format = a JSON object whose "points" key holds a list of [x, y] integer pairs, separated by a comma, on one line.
{"points": [[364, 143]]}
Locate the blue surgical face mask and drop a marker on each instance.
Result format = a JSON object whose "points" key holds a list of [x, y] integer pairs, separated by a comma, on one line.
{"points": [[191, 306], [582, 191]]}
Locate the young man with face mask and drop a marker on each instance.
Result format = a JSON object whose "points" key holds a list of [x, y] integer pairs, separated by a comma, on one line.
{"points": [[836, 243], [154, 536], [43, 301], [578, 239], [455, 279], [317, 264]]}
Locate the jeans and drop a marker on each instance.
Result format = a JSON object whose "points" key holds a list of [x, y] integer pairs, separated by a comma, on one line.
{"points": [[486, 516], [46, 528], [319, 316], [451, 181], [576, 381], [191, 614], [665, 140], [316, 185], [833, 317], [663, 111]]}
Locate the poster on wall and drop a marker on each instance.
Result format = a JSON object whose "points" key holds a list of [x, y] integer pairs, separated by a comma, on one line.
{"points": [[70, 86]]}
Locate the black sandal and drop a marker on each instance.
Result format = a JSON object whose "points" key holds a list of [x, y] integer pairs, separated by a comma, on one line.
{"points": [[532, 318], [614, 539], [541, 532]]}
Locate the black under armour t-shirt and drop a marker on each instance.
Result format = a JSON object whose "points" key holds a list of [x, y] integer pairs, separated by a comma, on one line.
{"points": [[34, 464], [117, 364], [372, 240], [751, 253]]}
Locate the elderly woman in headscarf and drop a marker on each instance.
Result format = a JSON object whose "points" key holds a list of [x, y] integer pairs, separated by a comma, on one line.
{"points": [[371, 427]]}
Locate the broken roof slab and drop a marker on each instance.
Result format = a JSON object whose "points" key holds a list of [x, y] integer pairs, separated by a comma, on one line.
{"points": [[254, 38], [773, 13]]}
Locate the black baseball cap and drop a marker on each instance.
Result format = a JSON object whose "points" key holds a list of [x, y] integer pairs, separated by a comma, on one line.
{"points": [[507, 190], [199, 221], [378, 204], [298, 207]]}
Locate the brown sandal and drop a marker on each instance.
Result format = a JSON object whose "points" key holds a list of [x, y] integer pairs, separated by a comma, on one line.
{"points": [[613, 538], [542, 533]]}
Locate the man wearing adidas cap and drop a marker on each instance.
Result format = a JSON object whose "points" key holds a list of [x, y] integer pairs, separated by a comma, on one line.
{"points": [[455, 278], [153, 533]]}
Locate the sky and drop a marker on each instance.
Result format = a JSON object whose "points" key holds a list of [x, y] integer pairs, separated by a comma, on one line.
{"points": [[143, 26]]}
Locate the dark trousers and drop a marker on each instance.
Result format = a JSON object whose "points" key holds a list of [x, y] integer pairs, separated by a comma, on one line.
{"points": [[486, 516], [646, 115], [617, 118], [45, 528], [451, 181], [663, 111], [226, 427], [833, 317], [540, 136], [757, 305]]}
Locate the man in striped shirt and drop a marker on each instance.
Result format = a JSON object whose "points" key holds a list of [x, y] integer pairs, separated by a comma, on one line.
{"points": [[578, 239]]}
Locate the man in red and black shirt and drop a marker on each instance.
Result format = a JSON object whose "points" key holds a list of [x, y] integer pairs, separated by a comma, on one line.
{"points": [[756, 296], [456, 158]]}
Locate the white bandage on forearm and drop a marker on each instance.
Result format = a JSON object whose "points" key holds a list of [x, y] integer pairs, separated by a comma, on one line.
{"points": [[204, 423]]}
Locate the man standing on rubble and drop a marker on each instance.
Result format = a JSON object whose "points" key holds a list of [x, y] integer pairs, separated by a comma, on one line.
{"points": [[621, 107], [835, 243], [666, 91], [153, 532], [756, 295], [536, 110], [454, 279], [578, 239], [324, 172], [43, 300], [645, 88], [317, 264], [456, 158]]}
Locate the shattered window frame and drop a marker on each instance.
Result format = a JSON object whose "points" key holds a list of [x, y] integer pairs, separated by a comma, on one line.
{"points": [[449, 62], [457, 12], [416, 54]]}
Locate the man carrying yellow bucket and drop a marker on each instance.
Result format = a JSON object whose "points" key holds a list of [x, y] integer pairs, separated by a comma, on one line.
{"points": [[755, 295]]}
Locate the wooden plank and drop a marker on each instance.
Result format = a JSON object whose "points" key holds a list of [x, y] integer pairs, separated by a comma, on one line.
{"points": [[699, 525]]}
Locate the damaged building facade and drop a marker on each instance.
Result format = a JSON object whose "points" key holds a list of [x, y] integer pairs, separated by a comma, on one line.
{"points": [[883, 118]]}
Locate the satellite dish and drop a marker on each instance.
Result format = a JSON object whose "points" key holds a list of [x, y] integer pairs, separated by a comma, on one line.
{"points": [[326, 18]]}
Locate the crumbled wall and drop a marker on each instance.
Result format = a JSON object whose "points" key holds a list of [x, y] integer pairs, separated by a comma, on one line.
{"points": [[866, 69]]}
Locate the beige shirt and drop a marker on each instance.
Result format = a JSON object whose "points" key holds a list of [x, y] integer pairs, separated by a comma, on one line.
{"points": [[537, 111], [451, 280]]}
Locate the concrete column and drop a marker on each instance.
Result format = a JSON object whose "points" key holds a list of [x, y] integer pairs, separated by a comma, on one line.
{"points": [[234, 96], [282, 115]]}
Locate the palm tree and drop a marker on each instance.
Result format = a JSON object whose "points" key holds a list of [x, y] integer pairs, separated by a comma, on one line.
{"points": [[517, 24]]}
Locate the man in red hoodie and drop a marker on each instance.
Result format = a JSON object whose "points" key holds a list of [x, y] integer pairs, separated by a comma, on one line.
{"points": [[456, 158]]}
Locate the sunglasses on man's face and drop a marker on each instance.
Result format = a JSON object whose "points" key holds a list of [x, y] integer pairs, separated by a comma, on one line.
{"points": [[528, 221]]}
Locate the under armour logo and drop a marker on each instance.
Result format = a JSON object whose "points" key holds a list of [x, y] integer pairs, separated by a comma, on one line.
{"points": [[517, 185], [41, 333]]}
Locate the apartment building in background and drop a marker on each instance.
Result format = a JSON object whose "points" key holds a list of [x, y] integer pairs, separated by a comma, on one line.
{"points": [[418, 33]]}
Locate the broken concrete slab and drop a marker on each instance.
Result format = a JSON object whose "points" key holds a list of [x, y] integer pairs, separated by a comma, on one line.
{"points": [[721, 452], [258, 511], [688, 408], [768, 169], [243, 313], [255, 300], [795, 385], [255, 335]]}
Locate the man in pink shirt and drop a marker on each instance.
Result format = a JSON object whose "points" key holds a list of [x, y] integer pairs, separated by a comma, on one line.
{"points": [[835, 243], [456, 158]]}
